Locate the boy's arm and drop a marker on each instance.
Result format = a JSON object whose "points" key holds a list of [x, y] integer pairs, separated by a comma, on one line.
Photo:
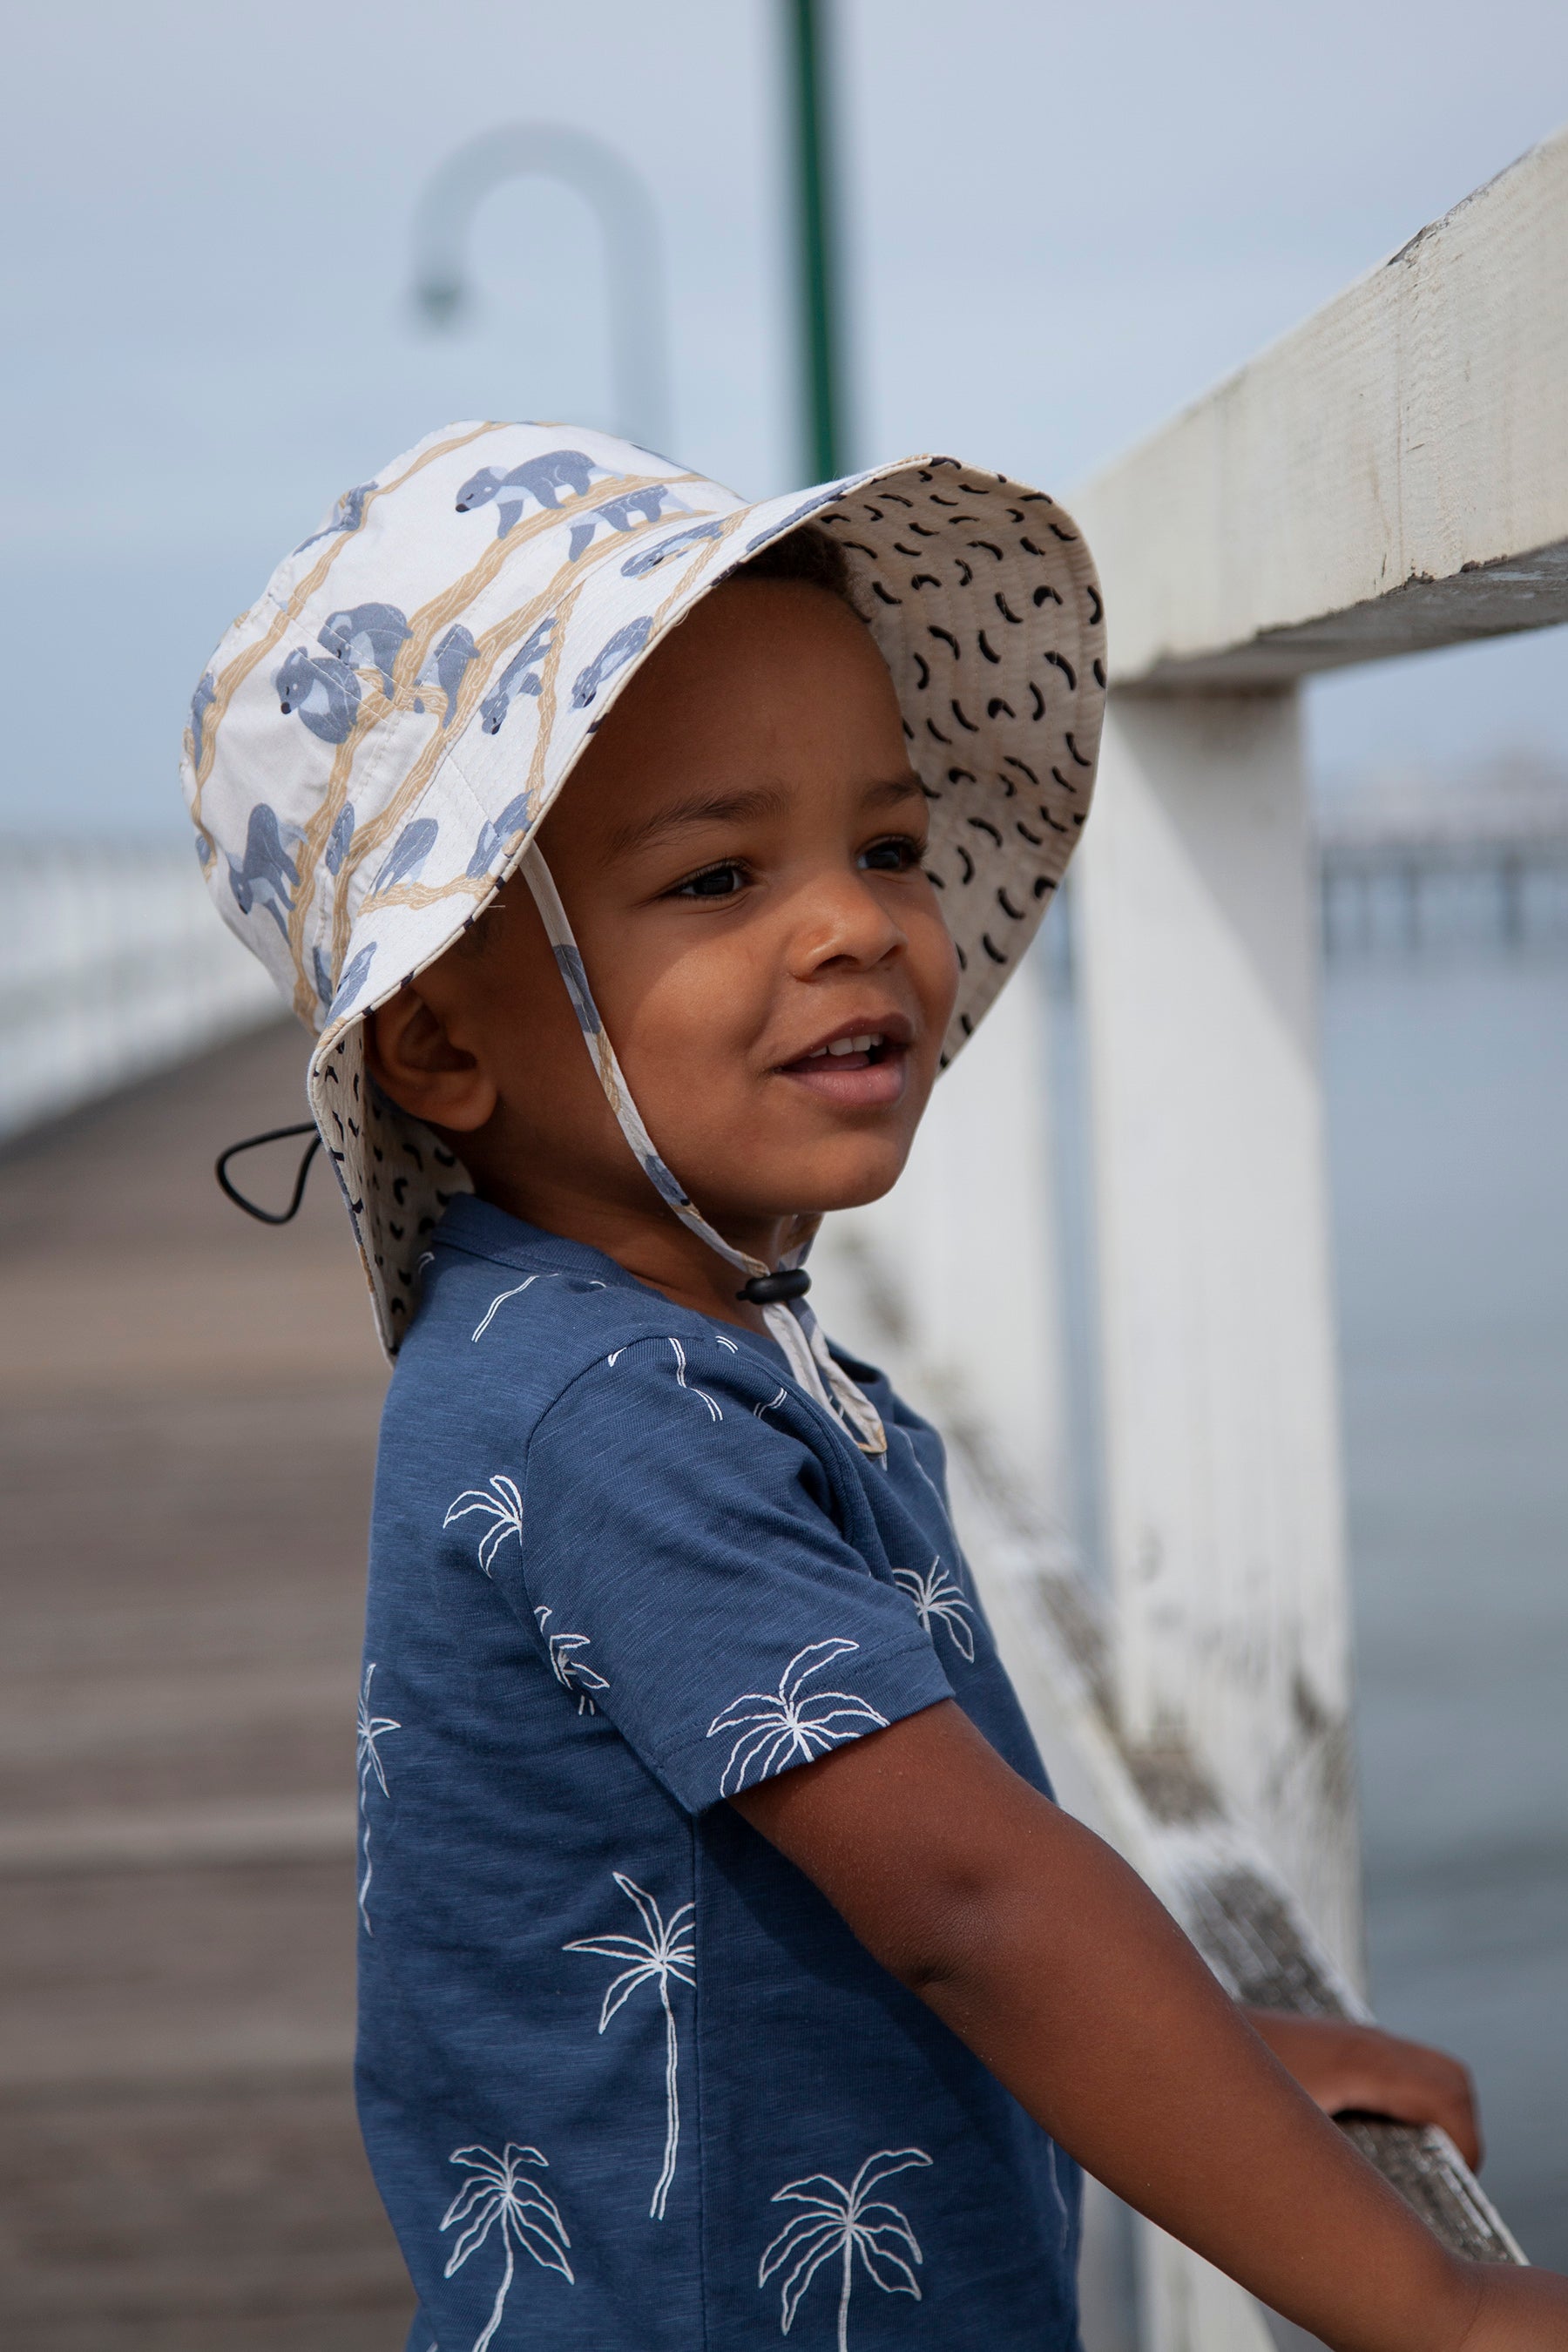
{"points": [[1052, 1960]]}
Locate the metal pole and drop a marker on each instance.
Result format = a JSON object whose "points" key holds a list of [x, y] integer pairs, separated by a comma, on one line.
{"points": [[625, 212], [818, 261]]}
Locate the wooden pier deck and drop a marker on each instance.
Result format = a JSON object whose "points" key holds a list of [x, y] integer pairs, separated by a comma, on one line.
{"points": [[190, 1404]]}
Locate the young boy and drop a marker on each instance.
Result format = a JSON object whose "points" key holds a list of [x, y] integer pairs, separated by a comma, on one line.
{"points": [[726, 1966]]}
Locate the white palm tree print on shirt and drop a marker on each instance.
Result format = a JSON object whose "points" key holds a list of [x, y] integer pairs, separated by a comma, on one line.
{"points": [[496, 2189], [938, 1599], [845, 2223], [493, 1309], [667, 1950], [568, 1668], [501, 1505], [691, 1390], [715, 1412], [369, 1731], [791, 1724]]}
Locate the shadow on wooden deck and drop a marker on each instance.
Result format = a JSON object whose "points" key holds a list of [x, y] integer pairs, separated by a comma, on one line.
{"points": [[186, 1442]]}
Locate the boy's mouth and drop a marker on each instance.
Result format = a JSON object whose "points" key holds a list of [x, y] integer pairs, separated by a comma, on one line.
{"points": [[858, 1068]]}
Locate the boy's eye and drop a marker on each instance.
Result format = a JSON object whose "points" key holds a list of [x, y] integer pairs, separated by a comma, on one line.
{"points": [[899, 853], [720, 881]]}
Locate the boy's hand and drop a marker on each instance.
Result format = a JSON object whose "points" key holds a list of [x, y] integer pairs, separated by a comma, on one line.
{"points": [[1360, 2069]]}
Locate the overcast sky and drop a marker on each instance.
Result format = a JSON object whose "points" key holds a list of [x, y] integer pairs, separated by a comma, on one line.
{"points": [[1060, 224]]}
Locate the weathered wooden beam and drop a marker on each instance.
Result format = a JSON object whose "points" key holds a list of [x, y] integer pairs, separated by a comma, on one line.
{"points": [[1391, 476]]}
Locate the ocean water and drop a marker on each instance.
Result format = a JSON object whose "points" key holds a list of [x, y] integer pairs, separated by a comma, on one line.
{"points": [[1447, 1076]]}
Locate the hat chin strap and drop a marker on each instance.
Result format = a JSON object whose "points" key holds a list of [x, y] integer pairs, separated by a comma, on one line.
{"points": [[792, 1325]]}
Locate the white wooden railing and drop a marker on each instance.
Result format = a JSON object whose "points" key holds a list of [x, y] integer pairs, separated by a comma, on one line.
{"points": [[1392, 476], [111, 966]]}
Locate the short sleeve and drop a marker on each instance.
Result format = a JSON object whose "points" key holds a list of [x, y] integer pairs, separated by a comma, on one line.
{"points": [[701, 1567]]}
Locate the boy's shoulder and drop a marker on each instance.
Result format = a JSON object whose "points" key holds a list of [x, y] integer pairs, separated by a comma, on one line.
{"points": [[510, 1317]]}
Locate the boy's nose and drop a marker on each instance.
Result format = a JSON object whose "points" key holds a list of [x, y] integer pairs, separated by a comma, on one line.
{"points": [[841, 919]]}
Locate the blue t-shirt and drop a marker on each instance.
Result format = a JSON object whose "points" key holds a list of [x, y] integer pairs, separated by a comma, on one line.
{"points": [[626, 2079]]}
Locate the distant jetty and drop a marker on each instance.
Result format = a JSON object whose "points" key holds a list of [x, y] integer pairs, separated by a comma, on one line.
{"points": [[1413, 858]]}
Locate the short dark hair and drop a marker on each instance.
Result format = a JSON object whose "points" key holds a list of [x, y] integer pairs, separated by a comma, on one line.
{"points": [[805, 554]]}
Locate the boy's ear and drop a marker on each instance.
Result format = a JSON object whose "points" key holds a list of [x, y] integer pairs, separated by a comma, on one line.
{"points": [[412, 1058]]}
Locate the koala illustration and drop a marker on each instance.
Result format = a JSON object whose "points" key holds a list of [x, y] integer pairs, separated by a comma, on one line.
{"points": [[609, 659], [347, 514], [620, 514], [352, 981], [367, 636], [408, 854], [201, 701], [522, 675], [648, 559], [569, 962], [539, 478], [819, 499], [444, 667], [338, 840], [267, 876], [325, 691], [665, 1181], [493, 833]]}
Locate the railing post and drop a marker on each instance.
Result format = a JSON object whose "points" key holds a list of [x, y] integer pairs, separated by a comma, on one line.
{"points": [[1221, 1491], [958, 1261]]}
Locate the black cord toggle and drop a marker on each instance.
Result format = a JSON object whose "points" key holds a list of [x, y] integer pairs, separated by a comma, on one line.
{"points": [[273, 1135], [771, 1289]]}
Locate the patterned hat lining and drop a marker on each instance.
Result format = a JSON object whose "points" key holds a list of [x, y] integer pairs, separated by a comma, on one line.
{"points": [[994, 704], [397, 1177]]}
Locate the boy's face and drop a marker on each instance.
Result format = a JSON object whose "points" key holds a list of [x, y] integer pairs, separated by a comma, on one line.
{"points": [[739, 854]]}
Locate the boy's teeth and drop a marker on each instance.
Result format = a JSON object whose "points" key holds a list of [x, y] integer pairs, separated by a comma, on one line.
{"points": [[846, 1045]]}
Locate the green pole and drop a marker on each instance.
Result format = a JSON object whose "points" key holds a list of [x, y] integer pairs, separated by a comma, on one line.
{"points": [[817, 259]]}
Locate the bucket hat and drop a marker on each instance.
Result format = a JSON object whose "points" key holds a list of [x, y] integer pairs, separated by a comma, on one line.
{"points": [[375, 743]]}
